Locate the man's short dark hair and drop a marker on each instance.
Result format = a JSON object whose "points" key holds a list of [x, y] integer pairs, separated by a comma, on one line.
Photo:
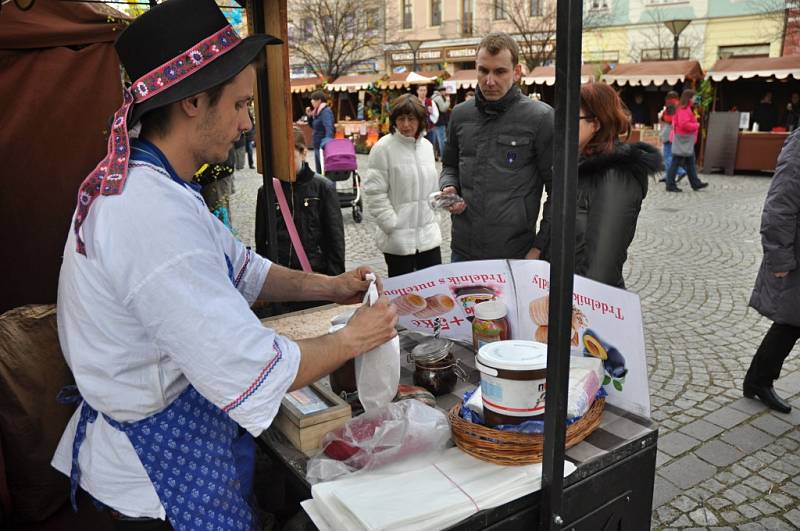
{"points": [[318, 95], [408, 104], [494, 43]]}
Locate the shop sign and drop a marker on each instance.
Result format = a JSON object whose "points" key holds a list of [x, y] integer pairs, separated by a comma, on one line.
{"points": [[460, 53]]}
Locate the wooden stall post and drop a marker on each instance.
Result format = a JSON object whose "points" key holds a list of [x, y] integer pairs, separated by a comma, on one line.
{"points": [[270, 16], [273, 120]]}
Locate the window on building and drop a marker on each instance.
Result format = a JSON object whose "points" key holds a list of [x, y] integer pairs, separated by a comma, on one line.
{"points": [[372, 20], [466, 23], [499, 10], [308, 28], [747, 50], [663, 54], [407, 8], [327, 24], [601, 56], [436, 12], [535, 8]]}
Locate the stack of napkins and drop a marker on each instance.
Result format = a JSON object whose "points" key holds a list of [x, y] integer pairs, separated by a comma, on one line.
{"points": [[436, 495]]}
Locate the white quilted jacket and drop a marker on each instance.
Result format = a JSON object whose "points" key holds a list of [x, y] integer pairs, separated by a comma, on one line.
{"points": [[401, 175]]}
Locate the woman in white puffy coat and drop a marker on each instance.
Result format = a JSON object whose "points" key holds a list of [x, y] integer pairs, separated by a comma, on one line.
{"points": [[402, 174]]}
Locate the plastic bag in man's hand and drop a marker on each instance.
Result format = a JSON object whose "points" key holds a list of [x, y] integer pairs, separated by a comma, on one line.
{"points": [[378, 371], [386, 435]]}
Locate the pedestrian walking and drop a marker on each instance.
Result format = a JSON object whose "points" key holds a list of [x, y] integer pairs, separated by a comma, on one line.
{"points": [[776, 294], [612, 182], [499, 158], [439, 131], [320, 117], [401, 176], [683, 137], [431, 110], [671, 103]]}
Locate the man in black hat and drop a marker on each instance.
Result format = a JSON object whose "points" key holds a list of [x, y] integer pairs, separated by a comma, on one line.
{"points": [[175, 372]]}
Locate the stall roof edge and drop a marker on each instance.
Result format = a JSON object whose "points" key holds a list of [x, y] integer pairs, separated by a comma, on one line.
{"points": [[655, 72], [748, 67]]}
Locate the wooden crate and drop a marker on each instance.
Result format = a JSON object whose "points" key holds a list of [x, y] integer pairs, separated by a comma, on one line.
{"points": [[304, 426]]}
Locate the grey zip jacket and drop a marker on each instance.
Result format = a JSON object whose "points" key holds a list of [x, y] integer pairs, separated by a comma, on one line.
{"points": [[499, 156]]}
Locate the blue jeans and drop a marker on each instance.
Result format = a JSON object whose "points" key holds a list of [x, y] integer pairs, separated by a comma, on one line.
{"points": [[455, 257], [667, 150], [691, 171], [438, 134]]}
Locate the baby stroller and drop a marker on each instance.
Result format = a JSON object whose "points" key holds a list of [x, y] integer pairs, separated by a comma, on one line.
{"points": [[339, 165]]}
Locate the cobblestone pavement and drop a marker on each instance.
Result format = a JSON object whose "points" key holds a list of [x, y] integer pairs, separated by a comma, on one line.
{"points": [[724, 462]]}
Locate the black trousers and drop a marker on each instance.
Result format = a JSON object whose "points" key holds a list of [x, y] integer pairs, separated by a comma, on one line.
{"points": [[400, 265], [775, 347]]}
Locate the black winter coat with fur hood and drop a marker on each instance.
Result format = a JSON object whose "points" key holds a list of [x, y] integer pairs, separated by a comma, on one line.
{"points": [[611, 188]]}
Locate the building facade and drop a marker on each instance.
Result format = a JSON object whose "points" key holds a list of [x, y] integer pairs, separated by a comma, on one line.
{"points": [[434, 35]]}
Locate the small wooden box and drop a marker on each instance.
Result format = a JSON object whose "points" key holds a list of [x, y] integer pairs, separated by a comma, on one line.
{"points": [[306, 415]]}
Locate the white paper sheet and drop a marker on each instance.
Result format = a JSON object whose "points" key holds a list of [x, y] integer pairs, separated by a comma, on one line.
{"points": [[453, 488]]}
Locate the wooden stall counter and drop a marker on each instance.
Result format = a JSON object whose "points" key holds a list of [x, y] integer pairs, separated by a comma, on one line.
{"points": [[648, 135], [758, 151], [613, 483]]}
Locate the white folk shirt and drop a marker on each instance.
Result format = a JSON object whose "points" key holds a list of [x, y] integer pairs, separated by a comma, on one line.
{"points": [[150, 310]]}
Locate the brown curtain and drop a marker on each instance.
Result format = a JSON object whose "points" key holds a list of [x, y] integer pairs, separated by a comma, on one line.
{"points": [[60, 85]]}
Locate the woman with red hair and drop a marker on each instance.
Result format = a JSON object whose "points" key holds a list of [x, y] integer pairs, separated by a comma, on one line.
{"points": [[612, 182]]}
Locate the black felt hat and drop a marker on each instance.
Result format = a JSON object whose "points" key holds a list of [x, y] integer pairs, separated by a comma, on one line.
{"points": [[175, 27]]}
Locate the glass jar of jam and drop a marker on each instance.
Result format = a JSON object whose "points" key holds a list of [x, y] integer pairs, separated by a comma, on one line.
{"points": [[435, 367], [490, 324]]}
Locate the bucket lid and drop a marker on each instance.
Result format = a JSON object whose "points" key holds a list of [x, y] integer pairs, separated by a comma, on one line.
{"points": [[515, 355], [490, 310], [431, 351]]}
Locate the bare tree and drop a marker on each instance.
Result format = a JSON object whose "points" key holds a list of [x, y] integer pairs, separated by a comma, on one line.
{"points": [[534, 21], [655, 42], [333, 36], [778, 19]]}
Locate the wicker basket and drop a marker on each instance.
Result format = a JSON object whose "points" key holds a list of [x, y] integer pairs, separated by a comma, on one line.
{"points": [[510, 448]]}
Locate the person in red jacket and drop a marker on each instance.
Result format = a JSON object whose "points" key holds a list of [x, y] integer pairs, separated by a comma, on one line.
{"points": [[684, 137]]}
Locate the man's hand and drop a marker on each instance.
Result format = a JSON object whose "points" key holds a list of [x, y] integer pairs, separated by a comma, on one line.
{"points": [[456, 208], [781, 274], [351, 286], [533, 254], [370, 327]]}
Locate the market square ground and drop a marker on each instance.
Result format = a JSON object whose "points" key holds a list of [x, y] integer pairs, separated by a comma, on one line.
{"points": [[724, 462]]}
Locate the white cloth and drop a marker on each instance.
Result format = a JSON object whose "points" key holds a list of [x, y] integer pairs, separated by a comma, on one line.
{"points": [[433, 112], [401, 175], [377, 371], [435, 496], [152, 309]]}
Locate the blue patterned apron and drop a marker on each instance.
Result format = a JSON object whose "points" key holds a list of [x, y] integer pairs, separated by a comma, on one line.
{"points": [[193, 453]]}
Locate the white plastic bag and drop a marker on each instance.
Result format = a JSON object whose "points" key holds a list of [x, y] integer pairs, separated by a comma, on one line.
{"points": [[395, 432], [378, 371]]}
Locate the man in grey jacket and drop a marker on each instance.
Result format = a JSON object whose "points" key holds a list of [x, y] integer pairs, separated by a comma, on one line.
{"points": [[499, 158]]}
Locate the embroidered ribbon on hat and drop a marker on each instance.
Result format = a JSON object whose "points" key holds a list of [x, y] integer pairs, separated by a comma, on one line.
{"points": [[108, 177]]}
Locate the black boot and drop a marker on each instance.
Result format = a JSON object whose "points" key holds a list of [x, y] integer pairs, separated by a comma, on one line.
{"points": [[767, 395]]}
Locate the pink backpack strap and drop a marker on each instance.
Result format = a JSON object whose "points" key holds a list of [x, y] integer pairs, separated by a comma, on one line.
{"points": [[287, 218]]}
